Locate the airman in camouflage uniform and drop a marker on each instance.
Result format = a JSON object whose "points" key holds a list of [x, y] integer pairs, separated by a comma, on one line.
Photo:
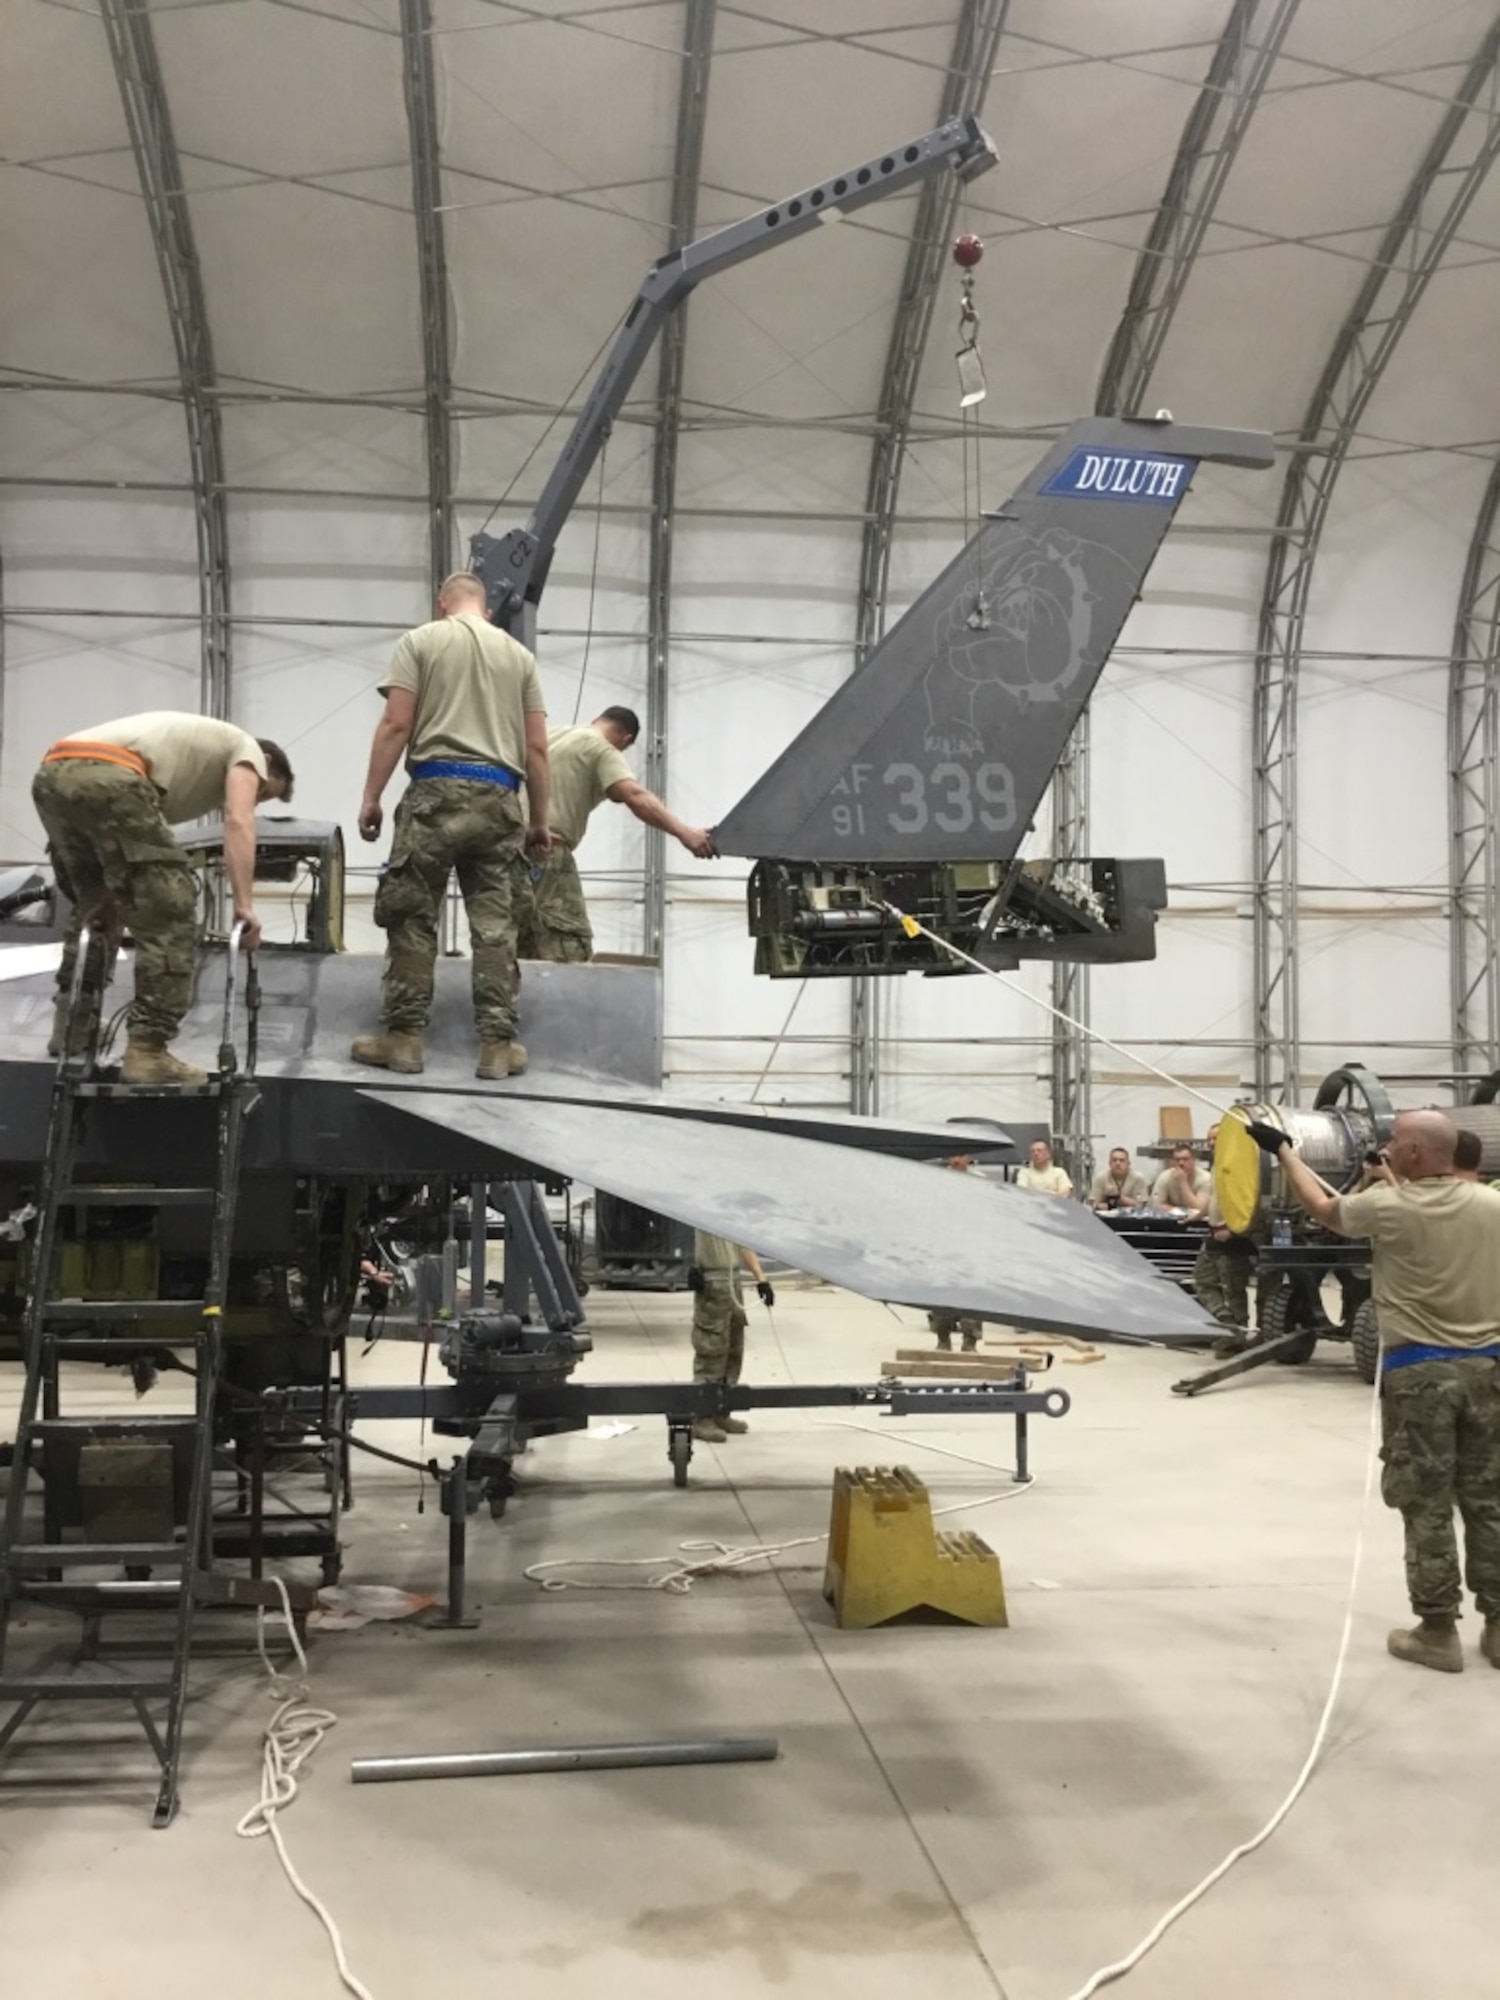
{"points": [[1435, 1279], [108, 799], [946, 1324], [1441, 1448], [586, 766], [719, 1322], [464, 706], [552, 918], [445, 824], [940, 1322]]}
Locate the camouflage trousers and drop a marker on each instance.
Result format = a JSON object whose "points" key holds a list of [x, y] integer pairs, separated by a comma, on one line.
{"points": [[443, 824], [946, 1324], [719, 1324], [1441, 1450], [114, 852], [1221, 1284], [552, 918]]}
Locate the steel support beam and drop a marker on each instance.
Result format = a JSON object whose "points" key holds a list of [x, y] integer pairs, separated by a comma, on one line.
{"points": [[420, 86], [1211, 139], [981, 24], [1474, 798], [148, 118], [1450, 175], [692, 118]]}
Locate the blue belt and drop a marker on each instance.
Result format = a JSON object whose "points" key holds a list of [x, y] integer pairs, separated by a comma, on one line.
{"points": [[1413, 1351], [484, 774]]}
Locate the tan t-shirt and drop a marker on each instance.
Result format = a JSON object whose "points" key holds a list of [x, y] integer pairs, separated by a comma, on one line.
{"points": [[1172, 1188], [717, 1258], [475, 685], [584, 764], [188, 756], [1436, 1263], [1044, 1180], [1132, 1188]]}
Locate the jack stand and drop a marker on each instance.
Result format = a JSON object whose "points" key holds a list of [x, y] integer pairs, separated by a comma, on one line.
{"points": [[452, 1617]]}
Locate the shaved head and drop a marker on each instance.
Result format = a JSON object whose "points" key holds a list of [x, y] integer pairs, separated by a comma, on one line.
{"points": [[462, 588], [1422, 1143]]}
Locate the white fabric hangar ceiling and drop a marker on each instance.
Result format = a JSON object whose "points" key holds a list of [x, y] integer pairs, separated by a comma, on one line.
{"points": [[213, 228]]}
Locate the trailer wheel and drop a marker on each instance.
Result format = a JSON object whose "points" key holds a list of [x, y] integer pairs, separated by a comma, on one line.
{"points": [[1364, 1336], [680, 1451], [1284, 1313]]}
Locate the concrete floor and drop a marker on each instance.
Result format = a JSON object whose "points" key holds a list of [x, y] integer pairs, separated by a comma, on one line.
{"points": [[981, 1812]]}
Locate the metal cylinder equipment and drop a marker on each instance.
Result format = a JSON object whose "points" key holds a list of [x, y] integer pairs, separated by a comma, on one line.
{"points": [[1351, 1115]]}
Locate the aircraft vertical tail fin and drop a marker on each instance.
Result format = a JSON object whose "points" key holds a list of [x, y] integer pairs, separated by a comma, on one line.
{"points": [[940, 747]]}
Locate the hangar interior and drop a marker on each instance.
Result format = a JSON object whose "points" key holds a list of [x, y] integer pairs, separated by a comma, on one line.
{"points": [[300, 295]]}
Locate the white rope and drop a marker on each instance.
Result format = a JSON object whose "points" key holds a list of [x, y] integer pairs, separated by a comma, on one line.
{"points": [[711, 1558], [915, 929], [292, 1735], [1107, 1974]]}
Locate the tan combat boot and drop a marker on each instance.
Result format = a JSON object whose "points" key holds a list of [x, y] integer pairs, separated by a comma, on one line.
{"points": [[735, 1426], [1433, 1643], [498, 1060], [393, 1050], [708, 1430], [148, 1060], [1489, 1641]]}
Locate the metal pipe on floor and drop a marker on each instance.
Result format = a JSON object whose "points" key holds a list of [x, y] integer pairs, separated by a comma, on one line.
{"points": [[584, 1757]]}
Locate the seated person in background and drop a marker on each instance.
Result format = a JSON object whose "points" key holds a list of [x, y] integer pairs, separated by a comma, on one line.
{"points": [[1041, 1176], [1468, 1151], [1119, 1186], [1183, 1183]]}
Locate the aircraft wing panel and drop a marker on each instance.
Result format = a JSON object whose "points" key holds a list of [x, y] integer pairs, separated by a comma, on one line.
{"points": [[940, 746], [891, 1229]]}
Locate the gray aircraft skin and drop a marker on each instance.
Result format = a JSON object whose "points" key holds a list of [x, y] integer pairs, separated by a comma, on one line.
{"points": [[940, 746], [847, 1199], [938, 749]]}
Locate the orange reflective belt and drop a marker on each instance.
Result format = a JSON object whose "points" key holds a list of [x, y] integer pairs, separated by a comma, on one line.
{"points": [[98, 753]]}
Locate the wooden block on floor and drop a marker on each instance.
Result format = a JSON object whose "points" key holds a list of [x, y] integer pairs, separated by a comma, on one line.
{"points": [[952, 1367]]}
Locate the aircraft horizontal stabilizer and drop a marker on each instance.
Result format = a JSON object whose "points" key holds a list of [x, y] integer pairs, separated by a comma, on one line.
{"points": [[890, 1229], [941, 745]]}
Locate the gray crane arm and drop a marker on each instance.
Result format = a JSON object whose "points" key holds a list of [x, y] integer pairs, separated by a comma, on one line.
{"points": [[514, 566]]}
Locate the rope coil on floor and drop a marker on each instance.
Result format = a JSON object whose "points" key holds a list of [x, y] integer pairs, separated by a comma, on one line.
{"points": [[723, 1558], [294, 1732]]}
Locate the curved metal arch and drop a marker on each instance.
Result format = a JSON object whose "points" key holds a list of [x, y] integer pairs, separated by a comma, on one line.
{"points": [[1242, 62], [419, 84], [976, 41], [148, 118], [687, 172], [1216, 127], [1474, 797], [1436, 200]]}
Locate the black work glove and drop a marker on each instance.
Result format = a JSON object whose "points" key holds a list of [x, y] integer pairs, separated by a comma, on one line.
{"points": [[766, 1294], [695, 1278], [1269, 1138]]}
